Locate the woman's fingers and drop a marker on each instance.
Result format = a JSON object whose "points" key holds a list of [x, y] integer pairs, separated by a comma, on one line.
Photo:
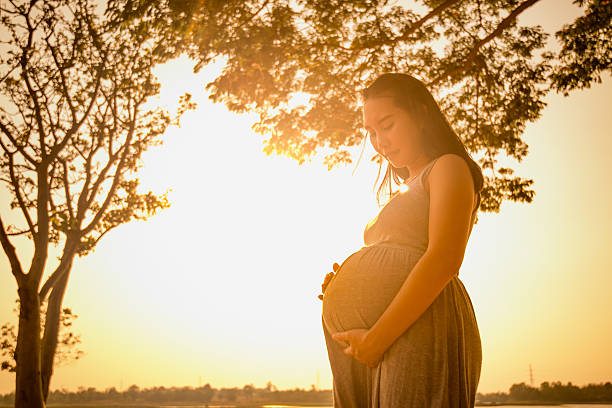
{"points": [[328, 277], [326, 281]]}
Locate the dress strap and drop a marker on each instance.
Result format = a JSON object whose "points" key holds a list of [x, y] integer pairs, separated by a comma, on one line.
{"points": [[428, 168], [426, 172], [420, 175]]}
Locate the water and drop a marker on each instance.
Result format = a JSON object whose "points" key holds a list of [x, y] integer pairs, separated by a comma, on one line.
{"points": [[508, 406], [562, 405], [319, 406]]}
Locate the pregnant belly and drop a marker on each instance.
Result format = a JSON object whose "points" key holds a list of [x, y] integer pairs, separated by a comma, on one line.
{"points": [[365, 285]]}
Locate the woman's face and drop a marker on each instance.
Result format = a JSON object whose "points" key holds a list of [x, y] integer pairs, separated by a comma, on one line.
{"points": [[393, 133]]}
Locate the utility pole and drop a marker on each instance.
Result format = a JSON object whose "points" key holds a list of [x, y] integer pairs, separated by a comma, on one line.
{"points": [[530, 375]]}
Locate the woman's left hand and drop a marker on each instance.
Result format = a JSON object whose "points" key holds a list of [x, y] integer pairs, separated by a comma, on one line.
{"points": [[359, 346]]}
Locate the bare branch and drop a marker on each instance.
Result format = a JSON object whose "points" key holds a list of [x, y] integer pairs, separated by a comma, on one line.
{"points": [[24, 74], [116, 178], [104, 233], [57, 148], [60, 68], [17, 191], [17, 233], [41, 240], [112, 158], [9, 249], [62, 268], [67, 188], [83, 202], [51, 177], [8, 134]]}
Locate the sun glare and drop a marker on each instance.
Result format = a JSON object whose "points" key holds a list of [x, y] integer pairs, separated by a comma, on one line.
{"points": [[403, 188]]}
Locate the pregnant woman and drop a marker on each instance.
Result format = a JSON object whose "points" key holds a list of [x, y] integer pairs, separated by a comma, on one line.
{"points": [[399, 325]]}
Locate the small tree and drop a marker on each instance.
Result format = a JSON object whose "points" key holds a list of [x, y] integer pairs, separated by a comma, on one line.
{"points": [[66, 351], [73, 127]]}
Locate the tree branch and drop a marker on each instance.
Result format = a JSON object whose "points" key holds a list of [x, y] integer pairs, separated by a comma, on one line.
{"points": [[22, 205], [117, 177], [62, 268], [9, 249], [8, 134], [37, 109], [50, 182], [101, 177], [17, 233], [104, 233], [433, 13], [83, 202], [252, 16], [60, 68], [67, 188], [505, 23], [41, 240], [57, 148]]}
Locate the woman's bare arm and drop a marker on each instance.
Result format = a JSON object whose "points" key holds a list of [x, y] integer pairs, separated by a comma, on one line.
{"points": [[451, 202]]}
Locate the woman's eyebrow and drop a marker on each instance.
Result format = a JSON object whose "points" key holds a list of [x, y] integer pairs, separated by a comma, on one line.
{"points": [[380, 120]]}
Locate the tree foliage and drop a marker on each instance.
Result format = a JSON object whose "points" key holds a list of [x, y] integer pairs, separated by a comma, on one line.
{"points": [[551, 392], [489, 74], [587, 49]]}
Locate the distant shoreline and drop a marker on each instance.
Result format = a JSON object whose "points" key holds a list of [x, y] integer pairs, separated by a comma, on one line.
{"points": [[259, 405], [551, 403]]}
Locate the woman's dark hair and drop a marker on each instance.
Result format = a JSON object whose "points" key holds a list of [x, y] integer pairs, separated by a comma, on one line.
{"points": [[439, 138]]}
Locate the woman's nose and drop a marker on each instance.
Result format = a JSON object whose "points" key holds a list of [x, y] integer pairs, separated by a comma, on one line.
{"points": [[378, 146]]}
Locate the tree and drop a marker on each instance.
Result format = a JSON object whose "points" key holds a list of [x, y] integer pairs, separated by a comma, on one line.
{"points": [[247, 391], [66, 347], [73, 126], [523, 392], [486, 71]]}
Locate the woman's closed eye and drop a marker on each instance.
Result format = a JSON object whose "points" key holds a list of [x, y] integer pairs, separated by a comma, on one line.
{"points": [[373, 134]]}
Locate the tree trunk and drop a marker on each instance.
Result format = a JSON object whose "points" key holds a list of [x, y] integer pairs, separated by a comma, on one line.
{"points": [[28, 388], [52, 323]]}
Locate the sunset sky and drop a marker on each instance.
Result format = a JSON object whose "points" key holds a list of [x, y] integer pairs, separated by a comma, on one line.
{"points": [[222, 287]]}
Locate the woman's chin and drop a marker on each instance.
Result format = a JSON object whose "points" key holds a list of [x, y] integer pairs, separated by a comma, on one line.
{"points": [[397, 164]]}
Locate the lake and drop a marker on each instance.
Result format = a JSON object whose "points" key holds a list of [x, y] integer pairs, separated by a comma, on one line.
{"points": [[319, 406]]}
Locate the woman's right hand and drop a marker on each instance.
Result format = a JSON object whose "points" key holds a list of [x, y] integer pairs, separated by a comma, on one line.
{"points": [[328, 279]]}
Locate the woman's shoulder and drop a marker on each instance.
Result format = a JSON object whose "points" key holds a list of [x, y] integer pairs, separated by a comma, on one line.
{"points": [[452, 159], [449, 163], [448, 166]]}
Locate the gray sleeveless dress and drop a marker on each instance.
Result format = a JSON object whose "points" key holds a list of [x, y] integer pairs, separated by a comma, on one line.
{"points": [[436, 362]]}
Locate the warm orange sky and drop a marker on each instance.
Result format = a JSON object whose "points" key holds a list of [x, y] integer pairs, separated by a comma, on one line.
{"points": [[221, 288]]}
